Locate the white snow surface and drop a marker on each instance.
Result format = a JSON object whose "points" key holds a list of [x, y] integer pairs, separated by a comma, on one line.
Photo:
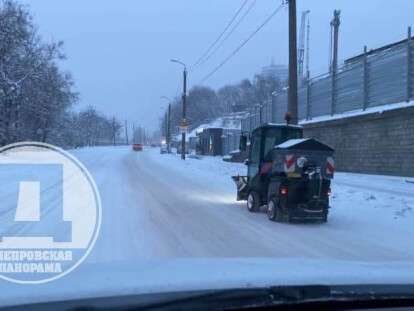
{"points": [[173, 225]]}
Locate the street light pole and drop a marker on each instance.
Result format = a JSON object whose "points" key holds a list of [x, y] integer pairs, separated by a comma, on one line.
{"points": [[166, 126], [184, 123]]}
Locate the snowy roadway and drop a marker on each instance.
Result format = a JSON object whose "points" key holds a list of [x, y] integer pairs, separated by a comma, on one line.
{"points": [[157, 206], [171, 225]]}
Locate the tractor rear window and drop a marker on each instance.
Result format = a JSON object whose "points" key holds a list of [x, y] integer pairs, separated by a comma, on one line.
{"points": [[292, 134], [273, 138], [279, 135]]}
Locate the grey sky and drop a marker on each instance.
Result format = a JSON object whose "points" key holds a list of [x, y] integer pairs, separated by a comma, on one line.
{"points": [[119, 51]]}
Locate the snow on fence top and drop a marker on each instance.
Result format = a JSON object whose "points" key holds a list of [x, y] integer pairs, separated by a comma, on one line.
{"points": [[359, 112]]}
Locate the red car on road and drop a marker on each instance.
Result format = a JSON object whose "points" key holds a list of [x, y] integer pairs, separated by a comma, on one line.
{"points": [[137, 147]]}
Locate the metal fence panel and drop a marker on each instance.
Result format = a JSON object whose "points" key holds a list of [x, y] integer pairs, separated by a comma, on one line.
{"points": [[302, 103], [245, 124], [321, 97], [267, 112], [374, 79], [280, 107], [410, 70], [387, 77], [349, 88]]}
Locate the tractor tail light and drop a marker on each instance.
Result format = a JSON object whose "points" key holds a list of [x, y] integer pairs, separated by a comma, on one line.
{"points": [[328, 192], [283, 191]]}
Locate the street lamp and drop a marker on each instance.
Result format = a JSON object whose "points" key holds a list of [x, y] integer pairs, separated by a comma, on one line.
{"points": [[184, 123], [166, 98], [178, 62], [168, 127]]}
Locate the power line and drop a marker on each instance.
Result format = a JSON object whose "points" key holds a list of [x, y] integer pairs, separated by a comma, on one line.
{"points": [[243, 43], [229, 33], [222, 33]]}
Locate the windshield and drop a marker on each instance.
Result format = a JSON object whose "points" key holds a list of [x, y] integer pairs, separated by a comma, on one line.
{"points": [[153, 147], [274, 137]]}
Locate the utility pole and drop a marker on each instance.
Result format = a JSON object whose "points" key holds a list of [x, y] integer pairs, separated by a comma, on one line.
{"points": [[133, 133], [165, 125], [292, 114], [184, 122], [126, 132]]}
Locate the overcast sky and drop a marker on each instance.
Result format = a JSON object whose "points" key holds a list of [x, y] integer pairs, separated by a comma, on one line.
{"points": [[119, 51]]}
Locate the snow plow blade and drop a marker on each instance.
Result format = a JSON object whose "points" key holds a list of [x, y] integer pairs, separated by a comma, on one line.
{"points": [[241, 184]]}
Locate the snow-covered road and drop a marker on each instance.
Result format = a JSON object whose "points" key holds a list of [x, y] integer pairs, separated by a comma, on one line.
{"points": [[157, 206], [171, 225]]}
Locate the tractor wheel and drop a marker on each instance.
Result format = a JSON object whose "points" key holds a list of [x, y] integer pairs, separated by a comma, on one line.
{"points": [[253, 202], [273, 211]]}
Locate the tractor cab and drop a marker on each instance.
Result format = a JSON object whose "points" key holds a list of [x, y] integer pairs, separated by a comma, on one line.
{"points": [[263, 140]]}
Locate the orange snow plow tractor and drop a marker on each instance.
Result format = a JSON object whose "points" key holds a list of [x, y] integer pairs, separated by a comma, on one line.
{"points": [[137, 147]]}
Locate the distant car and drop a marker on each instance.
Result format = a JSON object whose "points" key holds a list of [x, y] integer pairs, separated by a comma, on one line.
{"points": [[163, 149], [137, 147]]}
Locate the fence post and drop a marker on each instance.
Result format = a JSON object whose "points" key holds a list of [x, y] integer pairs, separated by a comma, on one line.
{"points": [[308, 92], [408, 95], [366, 77]]}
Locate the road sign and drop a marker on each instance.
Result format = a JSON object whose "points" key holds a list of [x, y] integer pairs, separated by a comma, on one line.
{"points": [[183, 126]]}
